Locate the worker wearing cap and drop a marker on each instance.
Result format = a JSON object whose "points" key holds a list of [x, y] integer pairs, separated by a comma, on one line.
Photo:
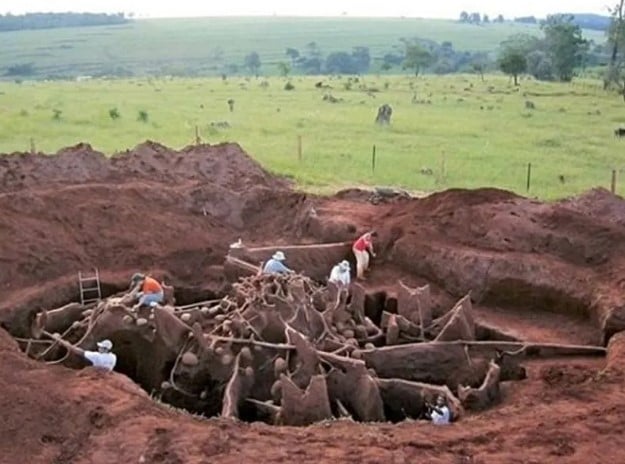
{"points": [[102, 359], [275, 265], [151, 290], [340, 274]]}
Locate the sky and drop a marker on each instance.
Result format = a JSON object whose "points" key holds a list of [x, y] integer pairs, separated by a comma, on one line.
{"points": [[411, 8]]}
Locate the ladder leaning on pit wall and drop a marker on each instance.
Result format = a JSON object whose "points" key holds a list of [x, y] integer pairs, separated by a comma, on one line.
{"points": [[89, 285]]}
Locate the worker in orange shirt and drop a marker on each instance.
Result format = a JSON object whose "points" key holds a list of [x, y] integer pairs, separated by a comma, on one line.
{"points": [[151, 291], [361, 248]]}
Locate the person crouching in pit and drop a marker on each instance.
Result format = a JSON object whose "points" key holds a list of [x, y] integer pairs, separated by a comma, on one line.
{"points": [[361, 249], [151, 292]]}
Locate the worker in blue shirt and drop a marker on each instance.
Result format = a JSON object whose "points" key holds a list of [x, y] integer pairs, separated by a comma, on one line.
{"points": [[275, 264]]}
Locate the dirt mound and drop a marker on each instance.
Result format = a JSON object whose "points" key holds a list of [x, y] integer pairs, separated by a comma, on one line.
{"points": [[513, 252], [599, 203], [154, 209], [225, 165]]}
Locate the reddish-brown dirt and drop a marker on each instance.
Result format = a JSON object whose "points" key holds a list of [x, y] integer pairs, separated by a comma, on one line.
{"points": [[547, 272]]}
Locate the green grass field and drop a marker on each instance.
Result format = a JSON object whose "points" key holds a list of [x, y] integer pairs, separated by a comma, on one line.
{"points": [[480, 131], [202, 46]]}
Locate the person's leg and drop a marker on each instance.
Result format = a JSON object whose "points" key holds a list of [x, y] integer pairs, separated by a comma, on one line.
{"points": [[149, 298], [365, 259], [359, 264]]}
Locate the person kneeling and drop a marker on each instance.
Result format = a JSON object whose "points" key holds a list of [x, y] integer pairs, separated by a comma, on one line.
{"points": [[340, 274], [151, 292], [276, 265]]}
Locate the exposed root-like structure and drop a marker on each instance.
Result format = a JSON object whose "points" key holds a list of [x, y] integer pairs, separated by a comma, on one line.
{"points": [[287, 350]]}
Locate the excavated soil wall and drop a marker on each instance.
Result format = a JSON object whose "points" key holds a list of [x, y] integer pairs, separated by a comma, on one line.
{"points": [[174, 213]]}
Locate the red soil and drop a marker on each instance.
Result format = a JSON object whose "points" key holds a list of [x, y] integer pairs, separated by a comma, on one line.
{"points": [[549, 272]]}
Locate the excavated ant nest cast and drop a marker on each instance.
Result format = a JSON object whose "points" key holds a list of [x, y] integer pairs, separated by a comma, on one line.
{"points": [[285, 350]]}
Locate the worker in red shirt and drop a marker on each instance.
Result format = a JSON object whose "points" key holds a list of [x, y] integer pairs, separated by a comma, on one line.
{"points": [[361, 248], [151, 292]]}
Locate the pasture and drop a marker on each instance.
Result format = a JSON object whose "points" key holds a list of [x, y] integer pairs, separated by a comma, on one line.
{"points": [[454, 131], [205, 46]]}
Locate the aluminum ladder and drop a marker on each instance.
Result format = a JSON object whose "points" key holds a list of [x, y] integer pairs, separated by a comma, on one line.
{"points": [[89, 285]]}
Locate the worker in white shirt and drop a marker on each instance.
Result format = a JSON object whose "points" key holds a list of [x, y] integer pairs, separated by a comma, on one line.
{"points": [[101, 359], [439, 414], [340, 274]]}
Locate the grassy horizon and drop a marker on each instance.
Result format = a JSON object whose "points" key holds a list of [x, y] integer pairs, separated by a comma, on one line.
{"points": [[481, 132], [203, 46]]}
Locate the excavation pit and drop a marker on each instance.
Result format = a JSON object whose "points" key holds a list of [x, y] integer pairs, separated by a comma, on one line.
{"points": [[288, 351]]}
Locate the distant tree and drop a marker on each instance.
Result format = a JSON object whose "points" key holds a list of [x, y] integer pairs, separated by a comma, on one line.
{"points": [[143, 116], [615, 74], [386, 66], [526, 20], [485, 18], [540, 66], [26, 69], [499, 18], [475, 18], [293, 54], [252, 62], [340, 63], [479, 63], [393, 59], [114, 114], [284, 69], [361, 58], [512, 62], [56, 114], [313, 49], [417, 58], [564, 44], [11, 22], [464, 17]]}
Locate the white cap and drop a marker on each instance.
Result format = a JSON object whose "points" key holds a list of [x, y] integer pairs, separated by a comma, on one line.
{"points": [[278, 255], [106, 344], [344, 264]]}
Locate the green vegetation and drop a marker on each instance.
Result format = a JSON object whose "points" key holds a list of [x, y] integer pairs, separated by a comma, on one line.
{"points": [[451, 131], [215, 46]]}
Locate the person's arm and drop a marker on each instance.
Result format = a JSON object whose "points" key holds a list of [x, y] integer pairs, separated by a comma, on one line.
{"points": [[68, 346], [283, 268], [371, 248]]}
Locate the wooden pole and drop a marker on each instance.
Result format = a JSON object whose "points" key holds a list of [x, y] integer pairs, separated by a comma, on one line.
{"points": [[529, 176], [32, 146], [299, 147], [373, 159], [613, 186], [197, 135]]}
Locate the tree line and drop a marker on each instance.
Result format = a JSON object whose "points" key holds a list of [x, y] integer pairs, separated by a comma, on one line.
{"points": [[585, 21], [11, 22]]}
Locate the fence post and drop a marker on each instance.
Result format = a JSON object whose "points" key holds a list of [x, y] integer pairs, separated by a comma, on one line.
{"points": [[373, 160], [529, 176], [32, 146], [197, 135], [299, 147], [613, 186]]}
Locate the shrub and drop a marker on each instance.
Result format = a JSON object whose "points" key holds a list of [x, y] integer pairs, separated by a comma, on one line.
{"points": [[143, 116], [114, 113]]}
